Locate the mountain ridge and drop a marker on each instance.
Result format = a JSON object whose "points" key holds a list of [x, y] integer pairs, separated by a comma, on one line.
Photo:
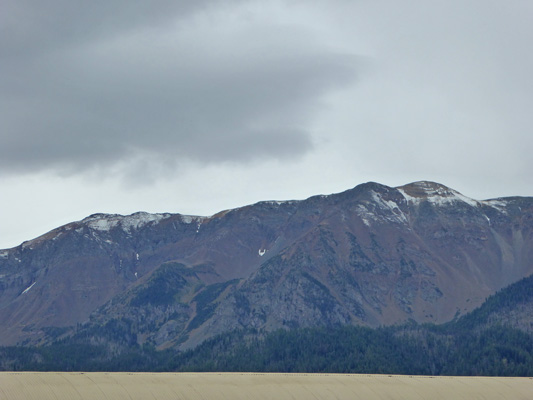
{"points": [[370, 255], [150, 217]]}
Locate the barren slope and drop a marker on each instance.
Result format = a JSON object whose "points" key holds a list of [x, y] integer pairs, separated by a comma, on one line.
{"points": [[372, 255]]}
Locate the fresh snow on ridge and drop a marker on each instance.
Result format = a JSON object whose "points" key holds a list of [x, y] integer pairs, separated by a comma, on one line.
{"points": [[498, 204], [436, 194], [377, 209], [278, 202], [106, 222], [189, 219], [102, 224], [440, 195], [387, 210]]}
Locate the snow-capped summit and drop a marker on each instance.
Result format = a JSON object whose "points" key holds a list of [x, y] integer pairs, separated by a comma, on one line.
{"points": [[433, 192], [106, 222]]}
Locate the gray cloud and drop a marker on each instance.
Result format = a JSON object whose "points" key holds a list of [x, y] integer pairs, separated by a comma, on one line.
{"points": [[135, 89], [35, 27], [158, 82]]}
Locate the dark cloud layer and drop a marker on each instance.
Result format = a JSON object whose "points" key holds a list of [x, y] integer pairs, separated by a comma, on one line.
{"points": [[31, 26], [91, 84], [195, 106]]}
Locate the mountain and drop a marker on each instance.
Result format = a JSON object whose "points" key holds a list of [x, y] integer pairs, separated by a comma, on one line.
{"points": [[373, 255], [484, 342]]}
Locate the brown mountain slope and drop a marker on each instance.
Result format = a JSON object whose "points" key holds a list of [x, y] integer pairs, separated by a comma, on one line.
{"points": [[371, 255]]}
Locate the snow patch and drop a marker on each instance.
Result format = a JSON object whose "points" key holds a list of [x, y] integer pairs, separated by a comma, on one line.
{"points": [[410, 199], [365, 214], [380, 209], [262, 252], [498, 204], [28, 288], [138, 220], [467, 200], [4, 254], [27, 245], [187, 219], [106, 222], [103, 224], [137, 256], [396, 214], [278, 203], [439, 196]]}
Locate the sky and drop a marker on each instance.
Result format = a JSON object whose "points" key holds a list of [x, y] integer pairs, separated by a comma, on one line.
{"points": [[196, 106]]}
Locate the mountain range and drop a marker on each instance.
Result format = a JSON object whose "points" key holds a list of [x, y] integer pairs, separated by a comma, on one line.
{"points": [[370, 256]]}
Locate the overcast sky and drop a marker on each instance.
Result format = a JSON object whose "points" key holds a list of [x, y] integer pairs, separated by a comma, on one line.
{"points": [[196, 106]]}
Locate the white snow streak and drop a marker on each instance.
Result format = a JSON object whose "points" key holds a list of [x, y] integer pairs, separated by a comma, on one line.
{"points": [[380, 210], [397, 215], [364, 214], [28, 288]]}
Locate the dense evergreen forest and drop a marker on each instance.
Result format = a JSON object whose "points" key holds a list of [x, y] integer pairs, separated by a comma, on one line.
{"points": [[480, 343]]}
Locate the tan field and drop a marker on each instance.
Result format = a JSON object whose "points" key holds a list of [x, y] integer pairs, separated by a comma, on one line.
{"points": [[246, 386]]}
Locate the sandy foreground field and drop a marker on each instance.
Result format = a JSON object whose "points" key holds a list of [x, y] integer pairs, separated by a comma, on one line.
{"points": [[246, 386]]}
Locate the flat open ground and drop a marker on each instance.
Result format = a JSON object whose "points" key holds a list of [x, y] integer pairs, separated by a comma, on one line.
{"points": [[247, 386]]}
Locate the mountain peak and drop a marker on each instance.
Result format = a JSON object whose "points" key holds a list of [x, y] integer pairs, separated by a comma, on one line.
{"points": [[426, 189], [372, 255], [417, 192]]}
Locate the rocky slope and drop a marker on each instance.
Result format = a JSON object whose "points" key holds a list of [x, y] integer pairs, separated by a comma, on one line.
{"points": [[372, 255]]}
